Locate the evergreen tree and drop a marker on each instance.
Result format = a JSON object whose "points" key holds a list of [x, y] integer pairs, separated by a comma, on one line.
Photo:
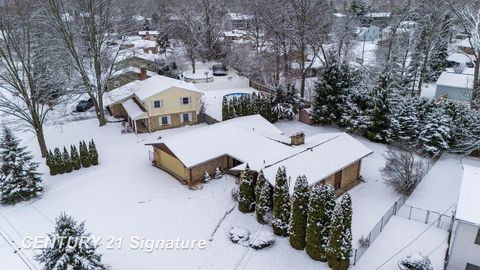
{"points": [[435, 134], [67, 162], [281, 204], [298, 223], [246, 197], [405, 123], [19, 179], [263, 195], [357, 110], [67, 251], [58, 160], [225, 109], [378, 129], [320, 208], [50, 160], [92, 153], [75, 158], [330, 93], [346, 204], [84, 155], [340, 242]]}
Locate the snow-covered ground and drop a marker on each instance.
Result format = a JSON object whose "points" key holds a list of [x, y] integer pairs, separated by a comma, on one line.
{"points": [[396, 236], [126, 196]]}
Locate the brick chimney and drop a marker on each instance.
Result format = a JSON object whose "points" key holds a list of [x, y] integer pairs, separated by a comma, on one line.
{"points": [[297, 138], [143, 73]]}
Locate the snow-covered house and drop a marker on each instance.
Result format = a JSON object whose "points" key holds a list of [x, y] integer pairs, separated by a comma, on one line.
{"points": [[139, 59], [465, 46], [452, 85], [464, 252], [380, 19], [155, 103], [149, 35], [239, 21], [127, 75], [333, 158]]}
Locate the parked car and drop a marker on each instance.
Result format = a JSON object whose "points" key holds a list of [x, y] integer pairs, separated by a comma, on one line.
{"points": [[84, 105]]}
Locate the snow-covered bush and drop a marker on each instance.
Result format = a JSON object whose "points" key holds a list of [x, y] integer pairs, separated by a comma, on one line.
{"points": [[415, 261], [242, 236], [206, 177], [218, 174], [262, 240], [239, 235]]}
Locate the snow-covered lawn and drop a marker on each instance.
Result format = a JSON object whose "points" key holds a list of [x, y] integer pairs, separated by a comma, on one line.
{"points": [[396, 235]]}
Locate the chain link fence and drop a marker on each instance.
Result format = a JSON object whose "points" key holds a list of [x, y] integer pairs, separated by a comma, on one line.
{"points": [[365, 241]]}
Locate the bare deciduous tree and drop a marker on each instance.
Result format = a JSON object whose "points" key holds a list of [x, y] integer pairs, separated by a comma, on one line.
{"points": [[403, 170], [85, 29], [31, 81]]}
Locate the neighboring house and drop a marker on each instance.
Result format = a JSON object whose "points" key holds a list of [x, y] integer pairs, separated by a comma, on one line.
{"points": [[457, 86], [149, 35], [465, 46], [235, 35], [156, 103], [239, 21], [139, 59], [127, 75], [464, 251], [460, 59], [380, 19], [369, 33], [231, 144]]}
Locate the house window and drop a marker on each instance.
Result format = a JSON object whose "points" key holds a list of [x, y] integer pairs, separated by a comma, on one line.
{"points": [[186, 117], [472, 267], [158, 103], [477, 238], [116, 83], [185, 100], [165, 120]]}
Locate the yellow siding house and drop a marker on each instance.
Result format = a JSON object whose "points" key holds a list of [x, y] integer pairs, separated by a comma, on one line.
{"points": [[156, 103]]}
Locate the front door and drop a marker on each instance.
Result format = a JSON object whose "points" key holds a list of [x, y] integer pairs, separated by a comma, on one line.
{"points": [[338, 180]]}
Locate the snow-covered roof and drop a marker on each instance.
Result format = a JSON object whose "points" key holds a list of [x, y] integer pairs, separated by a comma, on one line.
{"points": [[242, 138], [460, 58], [378, 15], [254, 140], [464, 43], [323, 155], [239, 16], [133, 110], [120, 93], [468, 200], [235, 33], [157, 84], [145, 89], [457, 80], [144, 33], [137, 52], [132, 69]]}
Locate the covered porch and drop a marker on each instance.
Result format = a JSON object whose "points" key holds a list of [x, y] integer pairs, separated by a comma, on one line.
{"points": [[137, 116]]}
